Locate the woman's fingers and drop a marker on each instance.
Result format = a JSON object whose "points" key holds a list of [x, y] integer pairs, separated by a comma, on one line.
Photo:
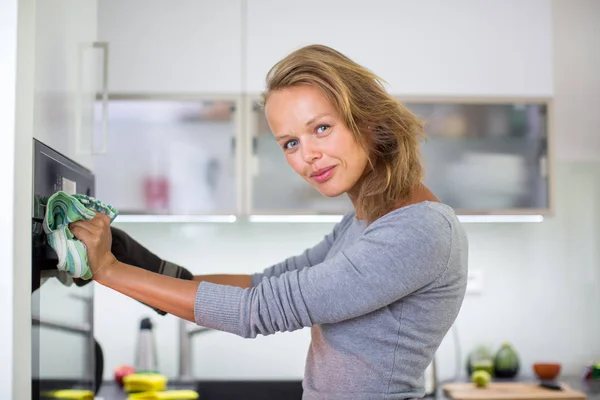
{"points": [[100, 220], [84, 225], [83, 234]]}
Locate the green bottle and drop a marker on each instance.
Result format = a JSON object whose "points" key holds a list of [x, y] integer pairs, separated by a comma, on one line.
{"points": [[480, 359], [506, 362]]}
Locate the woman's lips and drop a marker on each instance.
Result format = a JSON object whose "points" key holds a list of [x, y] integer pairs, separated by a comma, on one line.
{"points": [[324, 174]]}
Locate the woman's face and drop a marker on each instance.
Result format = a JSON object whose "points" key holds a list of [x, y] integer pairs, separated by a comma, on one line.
{"points": [[316, 142]]}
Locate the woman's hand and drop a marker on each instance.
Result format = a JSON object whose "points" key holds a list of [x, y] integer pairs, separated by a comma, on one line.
{"points": [[96, 236]]}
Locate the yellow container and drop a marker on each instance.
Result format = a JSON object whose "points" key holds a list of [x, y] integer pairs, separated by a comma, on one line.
{"points": [[165, 395]]}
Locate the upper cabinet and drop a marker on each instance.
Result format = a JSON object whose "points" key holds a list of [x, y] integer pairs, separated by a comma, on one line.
{"points": [[179, 131], [421, 48], [479, 156], [69, 66], [190, 46], [171, 156], [487, 156]]}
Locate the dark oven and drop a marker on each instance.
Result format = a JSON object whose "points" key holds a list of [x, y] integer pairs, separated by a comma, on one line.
{"points": [[64, 352]]}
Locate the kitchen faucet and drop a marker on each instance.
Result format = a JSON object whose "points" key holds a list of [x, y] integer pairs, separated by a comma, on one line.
{"points": [[187, 330]]}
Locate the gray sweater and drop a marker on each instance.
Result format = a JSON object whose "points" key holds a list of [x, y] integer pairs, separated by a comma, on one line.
{"points": [[379, 300]]}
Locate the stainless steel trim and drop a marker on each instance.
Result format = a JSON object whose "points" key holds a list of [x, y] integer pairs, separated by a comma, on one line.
{"points": [[105, 62], [186, 331], [551, 161], [484, 100], [84, 328], [239, 161], [172, 96], [249, 157]]}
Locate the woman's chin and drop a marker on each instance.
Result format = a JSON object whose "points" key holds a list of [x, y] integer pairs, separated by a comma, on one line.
{"points": [[330, 191]]}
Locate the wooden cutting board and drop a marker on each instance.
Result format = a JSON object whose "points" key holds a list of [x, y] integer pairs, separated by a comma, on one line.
{"points": [[509, 391]]}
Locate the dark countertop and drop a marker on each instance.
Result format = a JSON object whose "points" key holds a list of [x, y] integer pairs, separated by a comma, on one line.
{"points": [[249, 390], [112, 391]]}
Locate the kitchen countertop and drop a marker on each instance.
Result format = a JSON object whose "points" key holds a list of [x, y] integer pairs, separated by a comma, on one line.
{"points": [[590, 389], [110, 391]]}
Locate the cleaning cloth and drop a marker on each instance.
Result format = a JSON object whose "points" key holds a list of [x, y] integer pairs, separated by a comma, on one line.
{"points": [[61, 210]]}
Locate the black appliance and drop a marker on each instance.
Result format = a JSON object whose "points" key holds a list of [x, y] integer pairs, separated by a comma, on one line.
{"points": [[65, 354]]}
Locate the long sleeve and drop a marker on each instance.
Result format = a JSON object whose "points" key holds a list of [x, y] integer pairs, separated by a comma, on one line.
{"points": [[307, 258], [395, 256]]}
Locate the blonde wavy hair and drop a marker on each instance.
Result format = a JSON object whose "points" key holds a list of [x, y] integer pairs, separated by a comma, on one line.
{"points": [[387, 130]]}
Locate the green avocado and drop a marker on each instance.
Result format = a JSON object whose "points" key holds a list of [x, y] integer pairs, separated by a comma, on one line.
{"points": [[506, 362]]}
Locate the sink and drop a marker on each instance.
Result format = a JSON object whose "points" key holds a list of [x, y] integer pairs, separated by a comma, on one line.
{"points": [[250, 390]]}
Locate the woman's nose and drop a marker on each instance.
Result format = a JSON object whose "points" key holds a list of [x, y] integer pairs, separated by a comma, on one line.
{"points": [[310, 153]]}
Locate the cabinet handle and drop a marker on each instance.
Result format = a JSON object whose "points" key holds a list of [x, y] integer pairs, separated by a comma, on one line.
{"points": [[61, 326], [104, 123]]}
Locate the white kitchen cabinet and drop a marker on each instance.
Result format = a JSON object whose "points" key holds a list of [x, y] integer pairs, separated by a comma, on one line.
{"points": [[68, 75], [173, 47], [421, 48]]}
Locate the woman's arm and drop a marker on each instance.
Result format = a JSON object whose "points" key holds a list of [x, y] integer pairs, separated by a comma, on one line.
{"points": [[172, 295], [379, 268], [308, 258], [243, 281]]}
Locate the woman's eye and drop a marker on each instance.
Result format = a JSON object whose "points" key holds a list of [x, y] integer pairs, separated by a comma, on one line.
{"points": [[322, 128], [290, 144]]}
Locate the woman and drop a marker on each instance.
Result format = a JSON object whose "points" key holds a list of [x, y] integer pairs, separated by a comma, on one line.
{"points": [[382, 289]]}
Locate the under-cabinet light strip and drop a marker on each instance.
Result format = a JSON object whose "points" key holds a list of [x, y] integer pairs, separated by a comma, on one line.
{"points": [[295, 218], [304, 218], [337, 218], [176, 218], [500, 218]]}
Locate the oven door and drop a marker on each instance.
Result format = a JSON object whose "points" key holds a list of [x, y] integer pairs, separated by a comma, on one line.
{"points": [[63, 346]]}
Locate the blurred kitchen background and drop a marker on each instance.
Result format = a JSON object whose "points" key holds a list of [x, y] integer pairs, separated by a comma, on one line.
{"points": [[169, 121]]}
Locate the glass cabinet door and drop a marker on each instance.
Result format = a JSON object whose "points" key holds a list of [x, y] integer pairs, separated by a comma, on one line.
{"points": [[169, 156], [486, 157], [275, 188], [480, 157]]}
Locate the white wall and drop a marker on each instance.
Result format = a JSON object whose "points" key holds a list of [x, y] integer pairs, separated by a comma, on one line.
{"points": [[16, 117], [540, 289], [8, 49], [576, 78]]}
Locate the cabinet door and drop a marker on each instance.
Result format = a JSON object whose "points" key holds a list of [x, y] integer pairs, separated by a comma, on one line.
{"points": [[480, 157], [170, 156], [425, 48], [487, 157], [273, 186], [164, 47], [67, 68]]}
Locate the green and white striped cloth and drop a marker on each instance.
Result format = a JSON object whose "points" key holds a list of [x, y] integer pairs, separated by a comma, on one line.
{"points": [[61, 210]]}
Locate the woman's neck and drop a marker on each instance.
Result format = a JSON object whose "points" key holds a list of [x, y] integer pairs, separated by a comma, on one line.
{"points": [[420, 193]]}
